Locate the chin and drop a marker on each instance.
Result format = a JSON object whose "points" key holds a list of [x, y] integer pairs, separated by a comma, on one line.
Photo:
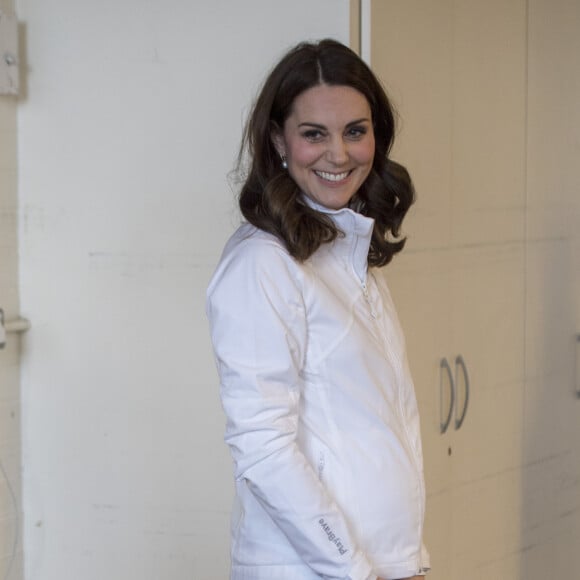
{"points": [[337, 203]]}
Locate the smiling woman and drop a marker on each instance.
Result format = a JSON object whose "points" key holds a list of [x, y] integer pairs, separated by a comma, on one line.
{"points": [[314, 79], [329, 143], [322, 420]]}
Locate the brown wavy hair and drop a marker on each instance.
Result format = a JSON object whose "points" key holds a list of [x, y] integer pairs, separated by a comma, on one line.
{"points": [[271, 200]]}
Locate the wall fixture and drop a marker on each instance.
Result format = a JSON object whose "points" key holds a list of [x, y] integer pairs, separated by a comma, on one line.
{"points": [[9, 70], [18, 325]]}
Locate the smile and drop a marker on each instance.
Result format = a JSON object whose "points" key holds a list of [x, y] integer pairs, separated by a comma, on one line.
{"points": [[332, 176]]}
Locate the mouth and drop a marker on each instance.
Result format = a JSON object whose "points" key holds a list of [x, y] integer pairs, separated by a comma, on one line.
{"points": [[332, 177]]}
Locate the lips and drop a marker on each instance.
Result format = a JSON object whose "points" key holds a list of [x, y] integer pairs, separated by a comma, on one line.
{"points": [[333, 177]]}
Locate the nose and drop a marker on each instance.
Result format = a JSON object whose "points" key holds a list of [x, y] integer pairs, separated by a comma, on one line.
{"points": [[337, 152]]}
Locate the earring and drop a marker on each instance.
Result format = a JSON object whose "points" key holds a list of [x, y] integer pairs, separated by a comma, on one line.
{"points": [[284, 162]]}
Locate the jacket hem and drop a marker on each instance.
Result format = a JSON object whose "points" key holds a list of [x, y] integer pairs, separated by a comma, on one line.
{"points": [[304, 572]]}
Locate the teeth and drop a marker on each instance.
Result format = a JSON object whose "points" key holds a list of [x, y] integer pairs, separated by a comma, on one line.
{"points": [[332, 176]]}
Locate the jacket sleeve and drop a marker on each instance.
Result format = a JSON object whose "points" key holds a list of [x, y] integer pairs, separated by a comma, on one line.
{"points": [[258, 327]]}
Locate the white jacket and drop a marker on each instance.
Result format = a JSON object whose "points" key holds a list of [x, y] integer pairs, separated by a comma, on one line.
{"points": [[321, 413]]}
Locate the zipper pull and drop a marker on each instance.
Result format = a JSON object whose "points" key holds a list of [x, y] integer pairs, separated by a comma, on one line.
{"points": [[368, 301]]}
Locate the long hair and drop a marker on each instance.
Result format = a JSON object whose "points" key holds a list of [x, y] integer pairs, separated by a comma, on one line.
{"points": [[271, 200]]}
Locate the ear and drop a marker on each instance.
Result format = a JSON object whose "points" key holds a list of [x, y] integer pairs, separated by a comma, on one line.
{"points": [[278, 140]]}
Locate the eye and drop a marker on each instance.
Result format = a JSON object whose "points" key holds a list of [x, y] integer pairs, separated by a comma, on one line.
{"points": [[356, 132], [313, 135]]}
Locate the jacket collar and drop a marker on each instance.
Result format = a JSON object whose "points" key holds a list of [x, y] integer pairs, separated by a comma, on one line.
{"points": [[353, 246]]}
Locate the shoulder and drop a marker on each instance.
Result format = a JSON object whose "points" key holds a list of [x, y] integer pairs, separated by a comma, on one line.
{"points": [[253, 257], [249, 241]]}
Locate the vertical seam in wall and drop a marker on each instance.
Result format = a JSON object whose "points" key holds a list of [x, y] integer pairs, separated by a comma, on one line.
{"points": [[359, 26], [453, 92], [11, 479], [365, 31], [355, 26], [12, 555], [525, 177]]}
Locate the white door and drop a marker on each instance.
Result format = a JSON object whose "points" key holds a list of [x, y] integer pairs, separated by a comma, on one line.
{"points": [[131, 124]]}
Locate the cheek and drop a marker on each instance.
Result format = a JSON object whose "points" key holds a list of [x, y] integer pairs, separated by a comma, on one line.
{"points": [[367, 152], [363, 152], [303, 155]]}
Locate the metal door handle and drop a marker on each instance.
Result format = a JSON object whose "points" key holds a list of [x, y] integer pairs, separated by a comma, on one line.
{"points": [[460, 362], [445, 368]]}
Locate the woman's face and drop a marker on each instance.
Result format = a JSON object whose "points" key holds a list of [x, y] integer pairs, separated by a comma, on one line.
{"points": [[329, 143]]}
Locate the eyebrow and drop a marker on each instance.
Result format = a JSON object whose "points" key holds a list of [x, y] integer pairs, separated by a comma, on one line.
{"points": [[350, 124]]}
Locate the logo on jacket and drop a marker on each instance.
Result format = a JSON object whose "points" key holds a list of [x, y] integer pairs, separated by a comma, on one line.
{"points": [[332, 537]]}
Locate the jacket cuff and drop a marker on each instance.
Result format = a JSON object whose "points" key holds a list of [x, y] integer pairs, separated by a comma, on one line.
{"points": [[361, 569]]}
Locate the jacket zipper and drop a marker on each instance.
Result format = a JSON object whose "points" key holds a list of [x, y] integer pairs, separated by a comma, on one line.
{"points": [[368, 300], [422, 503]]}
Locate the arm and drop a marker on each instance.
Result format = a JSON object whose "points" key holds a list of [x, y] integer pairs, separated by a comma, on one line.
{"points": [[258, 328]]}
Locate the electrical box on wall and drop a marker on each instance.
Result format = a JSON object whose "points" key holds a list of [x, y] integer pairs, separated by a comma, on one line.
{"points": [[9, 74]]}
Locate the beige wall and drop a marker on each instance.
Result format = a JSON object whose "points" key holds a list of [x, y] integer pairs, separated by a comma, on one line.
{"points": [[551, 488], [10, 439]]}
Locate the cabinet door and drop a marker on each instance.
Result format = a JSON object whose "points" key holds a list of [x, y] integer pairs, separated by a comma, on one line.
{"points": [[412, 52], [488, 132], [456, 72], [421, 289], [468, 302], [488, 325]]}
